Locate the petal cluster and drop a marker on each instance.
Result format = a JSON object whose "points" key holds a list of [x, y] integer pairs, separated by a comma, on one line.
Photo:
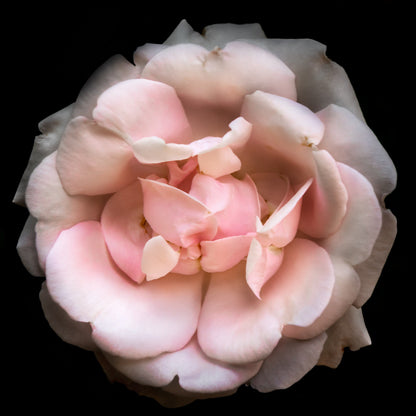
{"points": [[205, 217]]}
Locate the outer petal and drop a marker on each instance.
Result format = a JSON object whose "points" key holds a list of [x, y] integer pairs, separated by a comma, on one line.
{"points": [[72, 332], [92, 160], [52, 129], [123, 228], [224, 253], [350, 141], [325, 203], [142, 108], [196, 372], [128, 320], [54, 209], [175, 215], [111, 72], [359, 230], [288, 363], [222, 76], [349, 331]]}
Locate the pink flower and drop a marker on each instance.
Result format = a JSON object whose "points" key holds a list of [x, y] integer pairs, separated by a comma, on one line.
{"points": [[211, 215]]}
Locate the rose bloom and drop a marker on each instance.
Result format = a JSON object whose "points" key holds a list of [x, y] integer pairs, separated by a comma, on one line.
{"points": [[210, 215]]}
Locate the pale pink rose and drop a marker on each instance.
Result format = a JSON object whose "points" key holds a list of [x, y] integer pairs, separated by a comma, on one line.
{"points": [[211, 215]]}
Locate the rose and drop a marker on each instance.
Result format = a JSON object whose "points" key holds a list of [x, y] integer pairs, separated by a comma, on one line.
{"points": [[210, 216]]}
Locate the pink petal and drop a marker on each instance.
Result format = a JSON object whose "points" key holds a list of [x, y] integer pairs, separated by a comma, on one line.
{"points": [[123, 228], [221, 76], [355, 238], [92, 160], [288, 363], [281, 227], [224, 253], [284, 133], [53, 208], [235, 202], [219, 162], [72, 332], [175, 215], [196, 372], [134, 321], [159, 258], [262, 264], [234, 325], [325, 203], [141, 108]]}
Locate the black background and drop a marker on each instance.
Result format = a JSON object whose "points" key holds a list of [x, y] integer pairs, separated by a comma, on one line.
{"points": [[48, 53]]}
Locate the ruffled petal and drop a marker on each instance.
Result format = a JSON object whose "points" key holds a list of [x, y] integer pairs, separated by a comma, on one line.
{"points": [[92, 160], [288, 363], [325, 203], [142, 108], [177, 216], [224, 253], [283, 135], [234, 325], [219, 162], [134, 321], [196, 372], [355, 238], [72, 332], [123, 228], [220, 76], [159, 258], [370, 270], [349, 331], [114, 70], [351, 141], [54, 209]]}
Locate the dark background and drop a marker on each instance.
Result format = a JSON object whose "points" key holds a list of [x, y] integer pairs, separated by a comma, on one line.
{"points": [[48, 53]]}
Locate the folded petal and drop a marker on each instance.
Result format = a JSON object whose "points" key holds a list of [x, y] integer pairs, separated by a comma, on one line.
{"points": [[219, 162], [142, 108], [92, 160], [288, 363], [111, 72], [349, 331], [53, 208], [370, 269], [325, 203], [176, 215], [262, 264], [283, 135], [224, 253], [134, 321], [159, 258], [72, 332], [220, 76], [196, 372], [351, 141], [355, 238], [123, 228], [234, 325]]}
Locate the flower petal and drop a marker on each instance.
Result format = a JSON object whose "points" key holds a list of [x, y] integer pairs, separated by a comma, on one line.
{"points": [[196, 372], [325, 203], [288, 363], [159, 258], [175, 215], [72, 332], [351, 141], [142, 108], [349, 331], [134, 321], [54, 209], [224, 253], [355, 238], [219, 162], [220, 76], [123, 230], [92, 160]]}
